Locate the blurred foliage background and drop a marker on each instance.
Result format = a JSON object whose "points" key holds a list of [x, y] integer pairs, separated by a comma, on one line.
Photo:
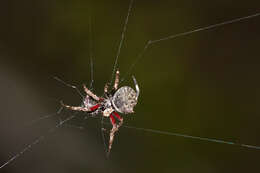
{"points": [[204, 84]]}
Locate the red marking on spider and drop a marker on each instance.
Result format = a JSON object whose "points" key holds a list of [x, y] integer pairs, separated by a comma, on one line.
{"points": [[93, 108]]}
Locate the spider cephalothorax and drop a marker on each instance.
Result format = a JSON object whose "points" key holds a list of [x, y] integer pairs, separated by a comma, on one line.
{"points": [[122, 100]]}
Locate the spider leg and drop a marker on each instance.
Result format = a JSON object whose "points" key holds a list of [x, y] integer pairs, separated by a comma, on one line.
{"points": [[116, 80], [114, 129], [117, 116], [106, 89], [69, 85], [79, 108], [90, 93], [136, 87], [93, 108], [112, 120], [112, 133]]}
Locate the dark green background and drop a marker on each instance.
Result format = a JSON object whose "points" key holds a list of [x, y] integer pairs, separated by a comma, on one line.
{"points": [[205, 84]]}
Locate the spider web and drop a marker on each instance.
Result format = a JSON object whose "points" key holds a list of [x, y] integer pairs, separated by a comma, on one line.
{"points": [[136, 60]]}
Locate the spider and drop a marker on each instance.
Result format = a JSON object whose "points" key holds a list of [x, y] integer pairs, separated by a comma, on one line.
{"points": [[121, 100]]}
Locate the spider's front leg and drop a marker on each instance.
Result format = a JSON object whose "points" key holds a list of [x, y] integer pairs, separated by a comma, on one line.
{"points": [[106, 89], [115, 128], [75, 108], [79, 108], [85, 108], [90, 93]]}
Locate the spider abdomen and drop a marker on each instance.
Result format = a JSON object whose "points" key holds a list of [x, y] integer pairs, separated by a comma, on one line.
{"points": [[124, 100]]}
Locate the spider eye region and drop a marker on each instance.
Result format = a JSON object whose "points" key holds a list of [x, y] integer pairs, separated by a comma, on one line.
{"points": [[124, 100]]}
